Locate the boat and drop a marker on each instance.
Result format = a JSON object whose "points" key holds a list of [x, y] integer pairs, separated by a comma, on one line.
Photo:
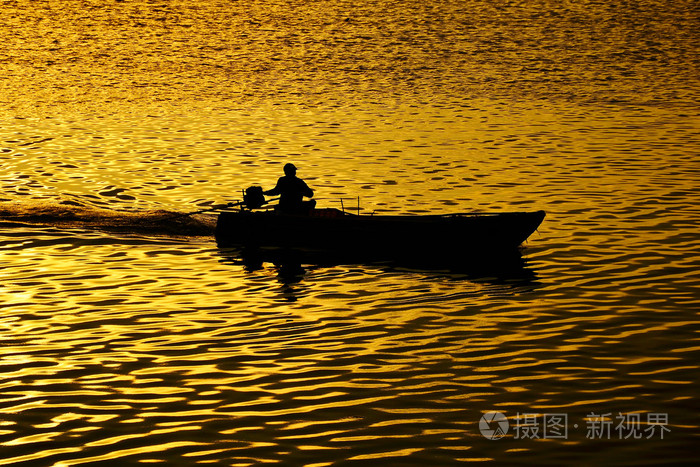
{"points": [[470, 234]]}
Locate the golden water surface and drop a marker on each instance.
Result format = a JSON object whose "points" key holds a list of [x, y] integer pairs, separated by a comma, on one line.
{"points": [[152, 345]]}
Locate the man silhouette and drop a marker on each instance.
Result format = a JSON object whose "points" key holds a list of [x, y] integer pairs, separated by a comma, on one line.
{"points": [[292, 191]]}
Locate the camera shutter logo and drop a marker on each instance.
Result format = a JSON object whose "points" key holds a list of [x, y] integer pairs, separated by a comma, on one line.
{"points": [[493, 425]]}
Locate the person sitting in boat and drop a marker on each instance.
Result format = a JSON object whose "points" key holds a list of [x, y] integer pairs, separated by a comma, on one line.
{"points": [[292, 191]]}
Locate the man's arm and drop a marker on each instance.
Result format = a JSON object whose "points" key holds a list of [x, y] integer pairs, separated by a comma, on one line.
{"points": [[274, 191], [308, 192]]}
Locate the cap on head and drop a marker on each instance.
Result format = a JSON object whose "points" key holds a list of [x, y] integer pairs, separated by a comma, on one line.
{"points": [[289, 169]]}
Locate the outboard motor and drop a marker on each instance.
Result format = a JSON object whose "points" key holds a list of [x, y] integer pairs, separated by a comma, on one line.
{"points": [[253, 197]]}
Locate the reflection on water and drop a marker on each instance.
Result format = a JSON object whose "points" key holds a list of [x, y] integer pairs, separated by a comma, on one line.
{"points": [[145, 347], [146, 59], [292, 264], [148, 365]]}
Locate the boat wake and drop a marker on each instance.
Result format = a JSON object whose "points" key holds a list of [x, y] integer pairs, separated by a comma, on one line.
{"points": [[69, 214]]}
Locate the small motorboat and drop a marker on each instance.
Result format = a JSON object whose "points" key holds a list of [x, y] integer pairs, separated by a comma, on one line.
{"points": [[471, 234]]}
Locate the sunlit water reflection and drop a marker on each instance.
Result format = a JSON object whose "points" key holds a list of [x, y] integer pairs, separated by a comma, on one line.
{"points": [[127, 337]]}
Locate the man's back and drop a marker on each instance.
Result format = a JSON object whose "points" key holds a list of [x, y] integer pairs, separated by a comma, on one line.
{"points": [[292, 191]]}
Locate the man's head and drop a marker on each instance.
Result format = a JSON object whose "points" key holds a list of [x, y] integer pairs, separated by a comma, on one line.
{"points": [[289, 169]]}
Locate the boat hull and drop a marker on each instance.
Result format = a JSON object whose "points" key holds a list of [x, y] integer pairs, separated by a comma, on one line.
{"points": [[333, 230]]}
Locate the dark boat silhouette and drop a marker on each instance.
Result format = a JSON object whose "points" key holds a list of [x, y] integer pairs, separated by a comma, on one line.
{"points": [[429, 236]]}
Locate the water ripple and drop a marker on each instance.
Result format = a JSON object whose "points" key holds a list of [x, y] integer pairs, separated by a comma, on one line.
{"points": [[128, 337]]}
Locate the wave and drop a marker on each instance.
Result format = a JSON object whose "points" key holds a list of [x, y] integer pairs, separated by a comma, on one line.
{"points": [[72, 214]]}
